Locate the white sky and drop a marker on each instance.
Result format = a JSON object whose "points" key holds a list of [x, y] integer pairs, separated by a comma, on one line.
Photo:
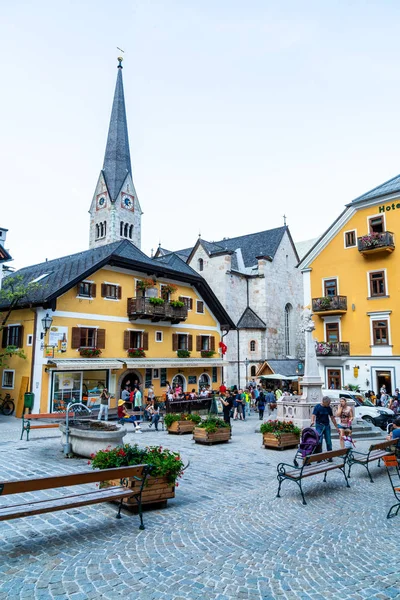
{"points": [[238, 112]]}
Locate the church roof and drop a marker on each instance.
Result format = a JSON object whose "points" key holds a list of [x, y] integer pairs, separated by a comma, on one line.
{"points": [[55, 277], [389, 187], [117, 158], [250, 320]]}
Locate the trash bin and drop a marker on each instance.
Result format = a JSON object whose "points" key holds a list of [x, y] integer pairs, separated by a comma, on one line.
{"points": [[29, 399]]}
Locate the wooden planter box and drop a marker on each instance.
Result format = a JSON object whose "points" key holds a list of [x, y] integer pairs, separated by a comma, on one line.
{"points": [[201, 436], [157, 491], [180, 427], [285, 440]]}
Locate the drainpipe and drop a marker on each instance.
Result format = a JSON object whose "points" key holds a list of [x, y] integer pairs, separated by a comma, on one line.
{"points": [[33, 349]]}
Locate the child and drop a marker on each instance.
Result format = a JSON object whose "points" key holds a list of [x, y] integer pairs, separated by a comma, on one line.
{"points": [[348, 440]]}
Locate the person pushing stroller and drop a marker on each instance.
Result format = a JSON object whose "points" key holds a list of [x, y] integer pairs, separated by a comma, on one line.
{"points": [[320, 419]]}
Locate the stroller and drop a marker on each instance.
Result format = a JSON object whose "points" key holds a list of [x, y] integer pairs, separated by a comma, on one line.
{"points": [[309, 444]]}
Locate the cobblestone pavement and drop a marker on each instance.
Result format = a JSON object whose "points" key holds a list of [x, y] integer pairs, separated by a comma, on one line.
{"points": [[224, 536]]}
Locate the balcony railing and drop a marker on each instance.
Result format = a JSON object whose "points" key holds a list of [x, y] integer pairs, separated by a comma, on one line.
{"points": [[332, 304], [142, 308], [332, 348], [376, 242]]}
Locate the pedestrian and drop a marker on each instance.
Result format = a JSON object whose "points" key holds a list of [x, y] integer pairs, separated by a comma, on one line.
{"points": [[347, 439], [320, 419], [278, 394], [261, 405], [222, 388], [345, 414], [238, 404], [104, 399], [154, 411], [394, 402], [125, 396], [227, 403], [270, 401]]}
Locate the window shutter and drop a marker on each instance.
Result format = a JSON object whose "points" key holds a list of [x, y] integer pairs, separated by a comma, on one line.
{"points": [[103, 290], [212, 343], [174, 341], [20, 336], [5, 336], [127, 339], [101, 338], [145, 340], [93, 290], [76, 337], [190, 342], [119, 292], [190, 304], [198, 343]]}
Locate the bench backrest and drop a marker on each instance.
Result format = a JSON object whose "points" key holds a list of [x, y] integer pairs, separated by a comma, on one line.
{"points": [[60, 415], [325, 455], [15, 486], [382, 445]]}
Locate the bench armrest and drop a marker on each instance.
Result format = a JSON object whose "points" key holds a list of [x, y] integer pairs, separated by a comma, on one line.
{"points": [[281, 467]]}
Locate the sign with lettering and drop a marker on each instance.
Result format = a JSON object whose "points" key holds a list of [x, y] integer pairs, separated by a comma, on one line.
{"points": [[388, 207]]}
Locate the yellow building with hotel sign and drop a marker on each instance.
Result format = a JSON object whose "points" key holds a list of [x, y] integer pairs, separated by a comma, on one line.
{"points": [[352, 284]]}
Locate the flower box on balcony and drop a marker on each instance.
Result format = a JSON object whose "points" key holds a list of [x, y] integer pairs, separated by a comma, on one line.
{"points": [[89, 352], [207, 353], [376, 242], [136, 353]]}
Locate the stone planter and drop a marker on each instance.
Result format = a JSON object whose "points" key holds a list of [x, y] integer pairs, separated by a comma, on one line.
{"points": [[201, 436], [85, 442], [285, 440], [180, 427], [156, 491]]}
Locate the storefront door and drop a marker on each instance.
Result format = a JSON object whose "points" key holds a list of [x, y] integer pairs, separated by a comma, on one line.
{"points": [[334, 379], [384, 378]]}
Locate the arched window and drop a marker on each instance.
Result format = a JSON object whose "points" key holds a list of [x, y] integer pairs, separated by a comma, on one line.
{"points": [[97, 232], [130, 231], [252, 346], [105, 227], [201, 264], [253, 371], [101, 230], [288, 325], [121, 228], [126, 230]]}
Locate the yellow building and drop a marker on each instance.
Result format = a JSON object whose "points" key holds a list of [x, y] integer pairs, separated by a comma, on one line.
{"points": [[352, 283], [117, 316]]}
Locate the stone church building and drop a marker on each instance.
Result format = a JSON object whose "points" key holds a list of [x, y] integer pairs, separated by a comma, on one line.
{"points": [[256, 279]]}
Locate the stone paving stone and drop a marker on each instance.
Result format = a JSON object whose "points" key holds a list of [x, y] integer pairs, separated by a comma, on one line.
{"points": [[225, 536]]}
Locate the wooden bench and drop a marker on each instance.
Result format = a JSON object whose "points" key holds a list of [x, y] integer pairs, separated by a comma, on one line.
{"points": [[375, 452], [70, 500], [27, 426], [393, 470], [315, 464]]}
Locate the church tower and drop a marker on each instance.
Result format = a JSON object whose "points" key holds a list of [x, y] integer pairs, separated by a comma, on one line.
{"points": [[115, 212]]}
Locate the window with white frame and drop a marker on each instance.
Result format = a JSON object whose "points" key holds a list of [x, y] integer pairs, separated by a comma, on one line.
{"points": [[8, 379], [29, 340], [159, 336], [199, 306], [156, 373]]}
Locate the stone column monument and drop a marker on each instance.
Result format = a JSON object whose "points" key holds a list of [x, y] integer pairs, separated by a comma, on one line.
{"points": [[297, 409]]}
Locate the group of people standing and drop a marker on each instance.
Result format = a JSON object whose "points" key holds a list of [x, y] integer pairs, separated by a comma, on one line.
{"points": [[383, 398], [237, 403]]}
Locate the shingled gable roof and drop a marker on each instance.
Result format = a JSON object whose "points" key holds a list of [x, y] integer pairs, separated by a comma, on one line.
{"points": [[250, 320], [117, 158], [61, 274], [389, 187]]}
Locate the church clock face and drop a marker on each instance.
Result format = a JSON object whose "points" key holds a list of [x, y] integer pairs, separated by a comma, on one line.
{"points": [[101, 201], [127, 201]]}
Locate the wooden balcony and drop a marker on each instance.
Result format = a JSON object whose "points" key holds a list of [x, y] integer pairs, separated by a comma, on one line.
{"points": [[373, 243], [332, 349], [142, 308], [329, 305]]}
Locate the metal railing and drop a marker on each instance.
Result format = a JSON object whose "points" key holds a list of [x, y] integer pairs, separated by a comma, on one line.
{"points": [[373, 241], [326, 303], [332, 348]]}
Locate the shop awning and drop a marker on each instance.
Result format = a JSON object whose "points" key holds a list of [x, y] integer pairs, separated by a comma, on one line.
{"points": [[280, 377], [172, 363], [81, 364]]}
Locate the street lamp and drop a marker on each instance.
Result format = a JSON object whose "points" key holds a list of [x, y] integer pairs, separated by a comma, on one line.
{"points": [[46, 324]]}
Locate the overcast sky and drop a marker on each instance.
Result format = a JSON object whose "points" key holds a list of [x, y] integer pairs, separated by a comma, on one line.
{"points": [[238, 112]]}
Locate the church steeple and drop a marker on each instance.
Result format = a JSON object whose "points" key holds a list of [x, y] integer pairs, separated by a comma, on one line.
{"points": [[115, 210], [117, 159]]}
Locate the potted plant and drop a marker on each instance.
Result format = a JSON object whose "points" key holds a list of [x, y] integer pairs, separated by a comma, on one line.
{"points": [[177, 304], [169, 288], [212, 431], [183, 353], [280, 434], [136, 353], [145, 284], [156, 301], [160, 486], [181, 423], [323, 348], [89, 352], [371, 240], [207, 353]]}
